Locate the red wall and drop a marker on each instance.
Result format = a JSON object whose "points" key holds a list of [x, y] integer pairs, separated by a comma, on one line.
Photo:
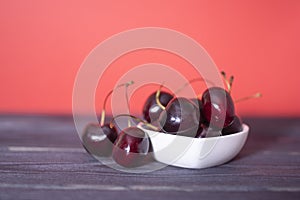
{"points": [[43, 44]]}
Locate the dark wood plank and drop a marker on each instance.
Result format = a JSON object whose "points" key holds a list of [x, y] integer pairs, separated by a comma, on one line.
{"points": [[41, 156], [137, 195]]}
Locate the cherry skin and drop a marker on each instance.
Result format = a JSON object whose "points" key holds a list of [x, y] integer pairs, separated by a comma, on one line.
{"points": [[234, 127], [200, 132], [98, 140], [131, 148], [218, 107], [151, 109], [180, 117], [199, 104]]}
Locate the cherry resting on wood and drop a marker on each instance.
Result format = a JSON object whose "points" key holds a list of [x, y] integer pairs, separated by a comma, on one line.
{"points": [[98, 140], [131, 148]]}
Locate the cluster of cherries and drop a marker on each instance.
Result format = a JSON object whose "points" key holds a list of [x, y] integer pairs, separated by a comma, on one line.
{"points": [[211, 115]]}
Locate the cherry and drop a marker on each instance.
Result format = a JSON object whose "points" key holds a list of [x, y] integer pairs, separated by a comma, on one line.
{"points": [[218, 107], [234, 127], [151, 109], [98, 139], [199, 104], [158, 100], [181, 117], [131, 148], [200, 132]]}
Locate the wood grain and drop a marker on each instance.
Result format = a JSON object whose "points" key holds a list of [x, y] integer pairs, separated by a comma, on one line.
{"points": [[42, 157]]}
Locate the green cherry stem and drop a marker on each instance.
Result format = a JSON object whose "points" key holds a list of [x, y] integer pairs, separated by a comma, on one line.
{"points": [[127, 99], [180, 89], [111, 124], [193, 81], [228, 83], [103, 112], [254, 96], [157, 97]]}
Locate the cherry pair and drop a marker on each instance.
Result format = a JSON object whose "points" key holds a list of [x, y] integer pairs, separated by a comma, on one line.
{"points": [[129, 147]]}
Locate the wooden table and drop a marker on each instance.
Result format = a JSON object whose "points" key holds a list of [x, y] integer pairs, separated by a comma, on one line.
{"points": [[42, 158]]}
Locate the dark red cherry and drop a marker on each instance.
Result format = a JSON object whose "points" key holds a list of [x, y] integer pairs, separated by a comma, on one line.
{"points": [[218, 107], [131, 148], [98, 140], [180, 117], [200, 132], [151, 109], [198, 103], [234, 127]]}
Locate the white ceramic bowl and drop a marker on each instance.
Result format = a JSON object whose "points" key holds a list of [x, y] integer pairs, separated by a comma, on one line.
{"points": [[196, 153]]}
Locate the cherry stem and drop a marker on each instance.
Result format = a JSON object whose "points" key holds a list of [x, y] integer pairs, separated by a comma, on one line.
{"points": [[157, 97], [102, 120], [228, 83], [180, 89], [254, 96], [111, 124], [231, 82], [192, 81], [127, 101]]}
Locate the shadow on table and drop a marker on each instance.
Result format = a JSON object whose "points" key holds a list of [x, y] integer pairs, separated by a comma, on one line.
{"points": [[265, 133]]}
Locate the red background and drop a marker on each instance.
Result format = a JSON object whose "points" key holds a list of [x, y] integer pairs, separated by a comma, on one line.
{"points": [[43, 44]]}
